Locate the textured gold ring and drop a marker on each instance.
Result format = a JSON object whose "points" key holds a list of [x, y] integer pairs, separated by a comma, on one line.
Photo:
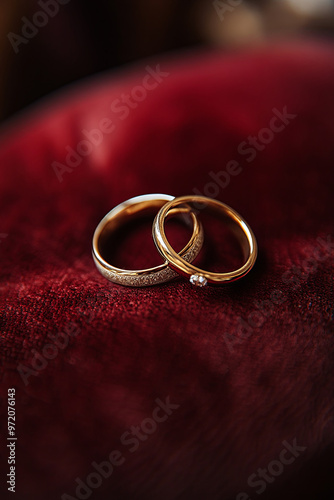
{"points": [[142, 205], [198, 276]]}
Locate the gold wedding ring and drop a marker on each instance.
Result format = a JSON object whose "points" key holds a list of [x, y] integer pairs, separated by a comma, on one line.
{"points": [[140, 206], [198, 276]]}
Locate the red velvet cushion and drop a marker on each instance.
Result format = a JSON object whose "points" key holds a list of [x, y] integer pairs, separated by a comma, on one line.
{"points": [[249, 365]]}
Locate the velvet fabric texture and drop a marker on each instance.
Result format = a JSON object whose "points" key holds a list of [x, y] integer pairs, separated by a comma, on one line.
{"points": [[215, 393]]}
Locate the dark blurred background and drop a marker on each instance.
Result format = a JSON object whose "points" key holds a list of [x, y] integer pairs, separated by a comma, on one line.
{"points": [[85, 38]]}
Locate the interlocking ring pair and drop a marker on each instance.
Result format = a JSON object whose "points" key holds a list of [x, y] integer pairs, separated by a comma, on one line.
{"points": [[175, 263]]}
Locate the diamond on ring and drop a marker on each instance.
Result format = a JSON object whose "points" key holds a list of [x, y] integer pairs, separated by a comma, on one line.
{"points": [[198, 280]]}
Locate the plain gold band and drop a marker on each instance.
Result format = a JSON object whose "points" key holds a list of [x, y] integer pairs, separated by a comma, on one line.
{"points": [[146, 204], [198, 276]]}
